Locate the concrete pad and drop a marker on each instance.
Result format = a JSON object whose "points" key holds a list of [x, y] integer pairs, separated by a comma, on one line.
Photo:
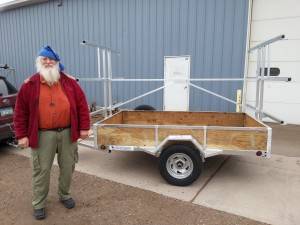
{"points": [[260, 189], [138, 169], [285, 139]]}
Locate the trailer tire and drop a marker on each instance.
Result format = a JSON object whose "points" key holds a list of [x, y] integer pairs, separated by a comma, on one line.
{"points": [[145, 107], [180, 165]]}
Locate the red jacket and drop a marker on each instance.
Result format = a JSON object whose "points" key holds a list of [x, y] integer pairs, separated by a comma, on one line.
{"points": [[27, 109]]}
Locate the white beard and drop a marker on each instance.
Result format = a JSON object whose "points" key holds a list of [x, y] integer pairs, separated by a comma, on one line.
{"points": [[51, 75]]}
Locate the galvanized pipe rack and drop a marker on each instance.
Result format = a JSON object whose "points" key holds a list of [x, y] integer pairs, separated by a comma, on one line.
{"points": [[263, 61]]}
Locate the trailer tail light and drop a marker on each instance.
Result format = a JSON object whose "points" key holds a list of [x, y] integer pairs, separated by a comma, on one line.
{"points": [[258, 153]]}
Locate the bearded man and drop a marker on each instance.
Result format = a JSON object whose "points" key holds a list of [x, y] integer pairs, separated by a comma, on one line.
{"points": [[51, 113]]}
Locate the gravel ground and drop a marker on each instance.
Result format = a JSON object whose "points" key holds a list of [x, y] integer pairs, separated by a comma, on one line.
{"points": [[98, 201]]}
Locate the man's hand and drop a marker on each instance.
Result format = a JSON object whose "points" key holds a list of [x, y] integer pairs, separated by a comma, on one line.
{"points": [[23, 142], [84, 134]]}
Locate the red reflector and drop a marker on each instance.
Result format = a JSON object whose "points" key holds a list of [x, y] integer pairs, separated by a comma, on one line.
{"points": [[258, 153]]}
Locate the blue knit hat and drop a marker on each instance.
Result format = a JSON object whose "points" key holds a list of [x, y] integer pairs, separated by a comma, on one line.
{"points": [[48, 52]]}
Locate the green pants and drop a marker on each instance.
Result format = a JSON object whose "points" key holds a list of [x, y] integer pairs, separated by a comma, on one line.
{"points": [[50, 143]]}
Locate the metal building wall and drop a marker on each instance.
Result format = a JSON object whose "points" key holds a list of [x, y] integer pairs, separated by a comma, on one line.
{"points": [[213, 32]]}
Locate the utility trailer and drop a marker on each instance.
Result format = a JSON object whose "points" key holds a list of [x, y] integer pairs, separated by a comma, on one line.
{"points": [[183, 140]]}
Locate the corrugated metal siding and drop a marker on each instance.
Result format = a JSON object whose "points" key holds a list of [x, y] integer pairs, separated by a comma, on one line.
{"points": [[213, 32]]}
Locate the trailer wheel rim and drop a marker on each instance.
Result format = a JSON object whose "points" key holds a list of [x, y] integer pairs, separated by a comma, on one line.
{"points": [[180, 165]]}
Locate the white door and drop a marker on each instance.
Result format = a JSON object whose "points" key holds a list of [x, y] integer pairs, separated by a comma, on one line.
{"points": [[177, 75]]}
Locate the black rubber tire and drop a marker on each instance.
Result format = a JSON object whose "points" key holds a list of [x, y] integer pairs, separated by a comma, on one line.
{"points": [[145, 107], [193, 154]]}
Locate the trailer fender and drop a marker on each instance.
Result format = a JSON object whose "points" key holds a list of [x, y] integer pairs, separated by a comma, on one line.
{"points": [[188, 140]]}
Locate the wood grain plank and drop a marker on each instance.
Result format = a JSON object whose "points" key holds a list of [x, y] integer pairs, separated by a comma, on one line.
{"points": [[237, 140], [126, 136], [115, 119], [184, 118], [251, 122], [197, 134]]}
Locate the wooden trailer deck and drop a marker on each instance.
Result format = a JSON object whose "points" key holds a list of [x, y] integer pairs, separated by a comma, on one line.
{"points": [[211, 130]]}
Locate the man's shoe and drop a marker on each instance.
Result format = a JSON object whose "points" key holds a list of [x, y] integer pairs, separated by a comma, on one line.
{"points": [[39, 214], [68, 203]]}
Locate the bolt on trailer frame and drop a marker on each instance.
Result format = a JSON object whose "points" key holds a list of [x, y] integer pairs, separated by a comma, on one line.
{"points": [[105, 76]]}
